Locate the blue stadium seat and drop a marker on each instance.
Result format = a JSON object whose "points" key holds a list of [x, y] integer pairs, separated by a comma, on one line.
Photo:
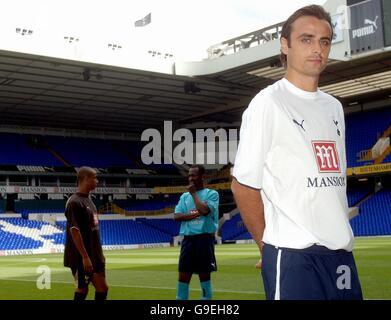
{"points": [[374, 218], [17, 151], [98, 153], [117, 232], [168, 226], [362, 132], [233, 228], [23, 238]]}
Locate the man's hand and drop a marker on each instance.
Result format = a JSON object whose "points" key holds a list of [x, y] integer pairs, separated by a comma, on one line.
{"points": [[258, 265], [191, 188], [87, 265], [196, 213], [78, 241], [202, 207], [250, 205], [192, 214]]}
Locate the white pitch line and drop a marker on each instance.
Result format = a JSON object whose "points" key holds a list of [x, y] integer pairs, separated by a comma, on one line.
{"points": [[144, 287]]}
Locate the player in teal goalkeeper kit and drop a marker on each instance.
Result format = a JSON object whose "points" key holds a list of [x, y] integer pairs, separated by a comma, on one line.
{"points": [[197, 211]]}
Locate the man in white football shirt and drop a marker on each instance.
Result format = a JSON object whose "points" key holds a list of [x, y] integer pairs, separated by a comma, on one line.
{"points": [[290, 173]]}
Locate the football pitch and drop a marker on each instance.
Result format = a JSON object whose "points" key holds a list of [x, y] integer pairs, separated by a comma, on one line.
{"points": [[151, 274]]}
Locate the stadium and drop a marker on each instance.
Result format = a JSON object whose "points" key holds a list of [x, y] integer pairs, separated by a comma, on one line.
{"points": [[66, 107]]}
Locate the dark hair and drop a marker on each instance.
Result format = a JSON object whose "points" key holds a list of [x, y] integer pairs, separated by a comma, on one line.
{"points": [[83, 173], [201, 168], [308, 11]]}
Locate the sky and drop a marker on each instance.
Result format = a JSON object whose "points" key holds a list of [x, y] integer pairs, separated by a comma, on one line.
{"points": [[184, 28]]}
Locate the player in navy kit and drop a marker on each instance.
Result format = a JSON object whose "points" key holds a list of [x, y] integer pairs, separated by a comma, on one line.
{"points": [[83, 249], [290, 173]]}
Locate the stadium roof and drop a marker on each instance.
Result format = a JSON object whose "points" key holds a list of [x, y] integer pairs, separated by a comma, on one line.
{"points": [[66, 85], [48, 92]]}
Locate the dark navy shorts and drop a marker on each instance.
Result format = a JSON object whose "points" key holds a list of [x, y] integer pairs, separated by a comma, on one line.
{"points": [[314, 273], [82, 278], [198, 254]]}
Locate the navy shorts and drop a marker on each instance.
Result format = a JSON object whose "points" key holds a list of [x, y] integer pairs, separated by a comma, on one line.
{"points": [[83, 278], [314, 273], [198, 254]]}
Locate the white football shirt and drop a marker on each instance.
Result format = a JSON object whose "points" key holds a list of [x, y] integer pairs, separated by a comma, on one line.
{"points": [[292, 147]]}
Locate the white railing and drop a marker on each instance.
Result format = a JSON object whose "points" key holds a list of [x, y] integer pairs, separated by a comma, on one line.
{"points": [[249, 40]]}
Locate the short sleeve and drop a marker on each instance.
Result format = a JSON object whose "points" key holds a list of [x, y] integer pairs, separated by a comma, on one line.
{"points": [[342, 120], [343, 132], [254, 143], [73, 218], [180, 207], [213, 201]]}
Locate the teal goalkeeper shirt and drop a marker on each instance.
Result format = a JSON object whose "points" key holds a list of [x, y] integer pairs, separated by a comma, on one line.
{"points": [[203, 224]]}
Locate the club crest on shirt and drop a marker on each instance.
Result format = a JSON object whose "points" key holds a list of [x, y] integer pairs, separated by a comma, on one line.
{"points": [[96, 221], [336, 124], [326, 156]]}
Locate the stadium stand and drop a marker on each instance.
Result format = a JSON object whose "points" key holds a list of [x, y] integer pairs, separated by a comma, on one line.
{"points": [[90, 152], [362, 131], [233, 228], [18, 234], [21, 152], [387, 159], [243, 236], [41, 206], [374, 218], [168, 226], [3, 205], [44, 206], [31, 168], [117, 232], [140, 205], [355, 196], [32, 153]]}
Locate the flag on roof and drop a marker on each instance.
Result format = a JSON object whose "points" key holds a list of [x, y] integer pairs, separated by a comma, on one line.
{"points": [[144, 21]]}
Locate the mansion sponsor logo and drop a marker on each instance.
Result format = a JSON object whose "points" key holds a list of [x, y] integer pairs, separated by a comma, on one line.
{"points": [[322, 182], [71, 190], [326, 156], [16, 252], [20, 189], [154, 245]]}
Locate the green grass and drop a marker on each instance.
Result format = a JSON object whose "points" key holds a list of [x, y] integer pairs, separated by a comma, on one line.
{"points": [[152, 273]]}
